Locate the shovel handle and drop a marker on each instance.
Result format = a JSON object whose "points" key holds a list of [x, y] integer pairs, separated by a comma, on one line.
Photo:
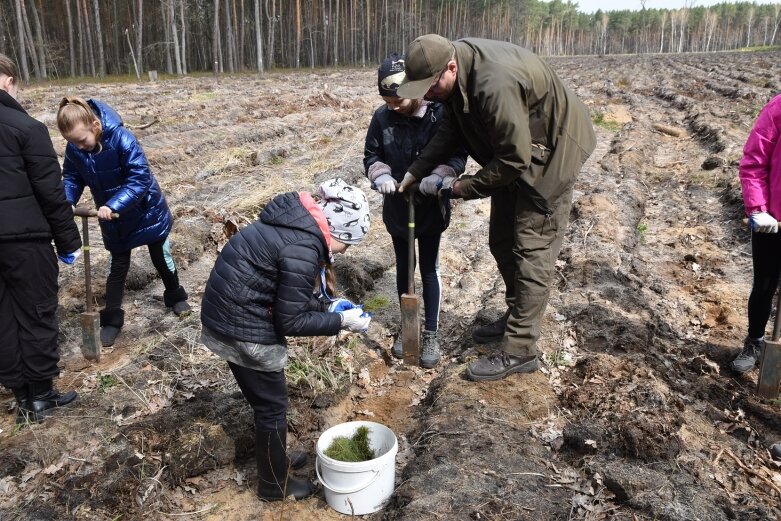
{"points": [[777, 323], [411, 244], [81, 211]]}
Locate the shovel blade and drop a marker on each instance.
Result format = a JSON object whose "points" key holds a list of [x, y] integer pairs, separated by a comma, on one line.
{"points": [[410, 328], [90, 335], [770, 370]]}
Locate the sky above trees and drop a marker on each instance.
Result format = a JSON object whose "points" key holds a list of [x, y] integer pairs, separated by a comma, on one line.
{"points": [[591, 6]]}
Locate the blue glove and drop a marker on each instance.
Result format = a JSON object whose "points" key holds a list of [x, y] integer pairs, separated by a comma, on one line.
{"points": [[69, 258], [340, 304]]}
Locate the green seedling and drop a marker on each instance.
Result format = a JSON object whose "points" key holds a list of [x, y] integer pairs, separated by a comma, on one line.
{"points": [[353, 449], [642, 228], [376, 303], [599, 120], [106, 381]]}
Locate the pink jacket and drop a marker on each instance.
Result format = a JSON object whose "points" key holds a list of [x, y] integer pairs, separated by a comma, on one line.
{"points": [[760, 168]]}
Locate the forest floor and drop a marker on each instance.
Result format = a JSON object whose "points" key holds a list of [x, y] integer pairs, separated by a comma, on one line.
{"points": [[635, 414]]}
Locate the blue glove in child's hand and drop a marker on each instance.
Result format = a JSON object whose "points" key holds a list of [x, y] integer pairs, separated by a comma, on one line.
{"points": [[69, 258], [340, 304]]}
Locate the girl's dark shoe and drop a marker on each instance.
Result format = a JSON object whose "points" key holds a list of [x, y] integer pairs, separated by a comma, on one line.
{"points": [[111, 322], [108, 335], [177, 300]]}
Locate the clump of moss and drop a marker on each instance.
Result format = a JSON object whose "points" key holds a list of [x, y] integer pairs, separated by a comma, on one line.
{"points": [[353, 449]]}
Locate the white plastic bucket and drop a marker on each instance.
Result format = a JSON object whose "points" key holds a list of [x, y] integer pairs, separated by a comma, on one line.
{"points": [[357, 488]]}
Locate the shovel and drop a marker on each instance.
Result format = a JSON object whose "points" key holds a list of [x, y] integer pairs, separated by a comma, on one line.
{"points": [[90, 319], [410, 303], [770, 363]]}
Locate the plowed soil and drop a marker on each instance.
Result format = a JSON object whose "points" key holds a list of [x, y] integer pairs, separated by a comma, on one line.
{"points": [[635, 414]]}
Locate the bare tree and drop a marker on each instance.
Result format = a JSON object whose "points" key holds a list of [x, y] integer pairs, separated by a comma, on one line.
{"points": [[298, 33], [39, 40], [20, 41], [230, 38], [777, 21], [88, 37], [258, 37], [216, 39], [99, 36], [140, 36], [28, 38], [184, 32], [71, 46], [169, 66], [175, 35]]}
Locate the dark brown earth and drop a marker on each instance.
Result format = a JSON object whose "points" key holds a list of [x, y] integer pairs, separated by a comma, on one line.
{"points": [[635, 414]]}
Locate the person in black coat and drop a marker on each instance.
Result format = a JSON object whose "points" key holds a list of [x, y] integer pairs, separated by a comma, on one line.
{"points": [[33, 211], [398, 131], [273, 279]]}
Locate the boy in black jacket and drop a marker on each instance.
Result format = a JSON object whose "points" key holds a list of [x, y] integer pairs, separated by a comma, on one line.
{"points": [[33, 211]]}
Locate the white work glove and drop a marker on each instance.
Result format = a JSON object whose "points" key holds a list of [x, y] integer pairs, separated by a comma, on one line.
{"points": [[429, 184], [763, 222], [408, 181], [385, 184], [355, 319]]}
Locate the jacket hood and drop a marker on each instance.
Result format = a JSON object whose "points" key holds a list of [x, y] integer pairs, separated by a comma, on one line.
{"points": [[286, 210], [108, 117]]}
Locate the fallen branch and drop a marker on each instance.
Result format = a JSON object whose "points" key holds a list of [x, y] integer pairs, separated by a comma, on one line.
{"points": [[145, 125], [670, 131], [753, 472]]}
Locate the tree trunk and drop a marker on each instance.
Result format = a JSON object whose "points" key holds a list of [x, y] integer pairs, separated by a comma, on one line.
{"points": [[132, 55], [258, 37], [41, 50], [336, 35], [71, 46], [184, 32], [88, 37], [298, 34], [229, 37], [271, 30], [241, 24], [216, 43], [175, 35], [99, 36], [140, 37], [169, 63], [28, 38], [20, 41]]}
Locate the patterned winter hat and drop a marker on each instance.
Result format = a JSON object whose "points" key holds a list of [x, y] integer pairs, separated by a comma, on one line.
{"points": [[346, 209], [390, 75]]}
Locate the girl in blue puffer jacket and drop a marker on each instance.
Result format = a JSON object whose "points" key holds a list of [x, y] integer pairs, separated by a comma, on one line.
{"points": [[105, 156]]}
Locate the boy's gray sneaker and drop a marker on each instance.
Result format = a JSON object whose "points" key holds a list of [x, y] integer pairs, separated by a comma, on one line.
{"points": [[748, 358], [396, 350], [429, 350]]}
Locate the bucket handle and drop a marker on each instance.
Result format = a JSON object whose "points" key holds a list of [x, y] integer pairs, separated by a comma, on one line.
{"points": [[348, 490]]}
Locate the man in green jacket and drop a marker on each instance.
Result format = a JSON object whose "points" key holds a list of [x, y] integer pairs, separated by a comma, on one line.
{"points": [[531, 135]]}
